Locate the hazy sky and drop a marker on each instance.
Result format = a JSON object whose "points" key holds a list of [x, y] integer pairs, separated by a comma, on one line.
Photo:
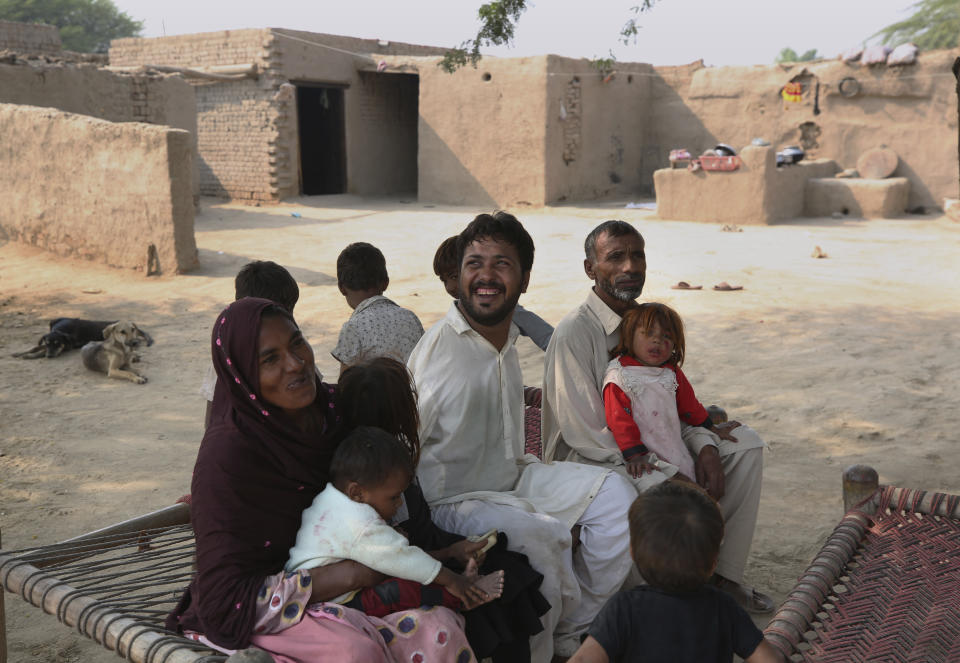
{"points": [[673, 32]]}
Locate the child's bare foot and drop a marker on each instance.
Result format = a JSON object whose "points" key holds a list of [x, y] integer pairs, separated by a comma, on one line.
{"points": [[492, 583]]}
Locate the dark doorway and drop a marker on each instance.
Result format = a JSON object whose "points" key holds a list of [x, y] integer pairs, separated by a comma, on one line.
{"points": [[323, 151]]}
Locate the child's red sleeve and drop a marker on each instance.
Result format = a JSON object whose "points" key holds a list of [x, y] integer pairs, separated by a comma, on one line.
{"points": [[620, 422], [688, 407]]}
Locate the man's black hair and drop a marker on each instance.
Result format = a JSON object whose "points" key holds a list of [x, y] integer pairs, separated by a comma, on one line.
{"points": [[499, 226], [370, 456], [361, 266], [267, 280], [613, 228]]}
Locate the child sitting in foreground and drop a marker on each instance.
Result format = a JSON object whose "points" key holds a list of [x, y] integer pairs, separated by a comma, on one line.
{"points": [[646, 395], [675, 534], [380, 393], [377, 327], [369, 472]]}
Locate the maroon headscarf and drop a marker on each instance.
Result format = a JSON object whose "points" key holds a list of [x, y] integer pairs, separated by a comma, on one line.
{"points": [[255, 474]]}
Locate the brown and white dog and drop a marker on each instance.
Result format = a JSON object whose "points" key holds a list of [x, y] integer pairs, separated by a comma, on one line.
{"points": [[114, 354], [68, 334]]}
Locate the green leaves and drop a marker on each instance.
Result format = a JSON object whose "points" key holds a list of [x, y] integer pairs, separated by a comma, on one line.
{"points": [[86, 26], [790, 55], [498, 19], [497, 24], [934, 24]]}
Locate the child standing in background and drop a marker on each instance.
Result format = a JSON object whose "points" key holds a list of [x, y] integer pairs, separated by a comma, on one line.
{"points": [[264, 279], [378, 327]]}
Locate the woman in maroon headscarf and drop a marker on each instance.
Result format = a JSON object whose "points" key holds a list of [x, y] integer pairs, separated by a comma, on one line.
{"points": [[262, 461]]}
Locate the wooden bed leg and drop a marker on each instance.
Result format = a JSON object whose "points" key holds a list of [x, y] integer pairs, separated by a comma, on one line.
{"points": [[3, 619], [859, 483]]}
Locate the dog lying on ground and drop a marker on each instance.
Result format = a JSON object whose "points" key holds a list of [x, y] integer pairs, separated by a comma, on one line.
{"points": [[114, 354], [70, 334]]}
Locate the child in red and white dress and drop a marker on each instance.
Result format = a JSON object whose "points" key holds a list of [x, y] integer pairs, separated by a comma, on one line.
{"points": [[646, 395]]}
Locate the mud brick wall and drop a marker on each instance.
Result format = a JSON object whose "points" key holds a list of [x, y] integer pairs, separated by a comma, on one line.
{"points": [[29, 38], [88, 90], [204, 49], [114, 192], [236, 130], [237, 121]]}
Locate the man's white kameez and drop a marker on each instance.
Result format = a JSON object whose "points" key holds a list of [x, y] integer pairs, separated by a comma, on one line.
{"points": [[476, 476]]}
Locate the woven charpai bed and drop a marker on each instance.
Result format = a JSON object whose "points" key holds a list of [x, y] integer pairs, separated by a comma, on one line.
{"points": [[884, 587], [115, 585]]}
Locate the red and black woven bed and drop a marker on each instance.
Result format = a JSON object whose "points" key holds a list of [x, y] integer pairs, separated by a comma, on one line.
{"points": [[885, 586]]}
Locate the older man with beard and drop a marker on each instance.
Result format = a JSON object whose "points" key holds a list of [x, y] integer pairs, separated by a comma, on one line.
{"points": [[574, 425], [473, 469]]}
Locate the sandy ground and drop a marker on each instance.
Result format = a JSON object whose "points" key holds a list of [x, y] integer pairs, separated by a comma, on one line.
{"points": [[852, 358]]}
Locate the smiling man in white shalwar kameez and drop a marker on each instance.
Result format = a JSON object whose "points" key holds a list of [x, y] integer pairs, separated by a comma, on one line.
{"points": [[473, 469]]}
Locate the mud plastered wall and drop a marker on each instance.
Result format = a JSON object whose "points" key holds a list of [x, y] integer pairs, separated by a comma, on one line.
{"points": [[482, 133], [29, 38], [88, 90], [910, 109], [380, 109], [595, 129], [117, 193]]}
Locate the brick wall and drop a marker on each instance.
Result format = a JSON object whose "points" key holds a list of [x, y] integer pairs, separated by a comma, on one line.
{"points": [[205, 49], [236, 131], [247, 130], [29, 37], [237, 121]]}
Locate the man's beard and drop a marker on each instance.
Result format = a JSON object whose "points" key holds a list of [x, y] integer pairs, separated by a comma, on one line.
{"points": [[623, 294], [494, 317]]}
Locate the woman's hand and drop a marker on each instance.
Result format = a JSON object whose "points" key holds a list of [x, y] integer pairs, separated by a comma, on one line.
{"points": [[465, 590], [463, 551]]}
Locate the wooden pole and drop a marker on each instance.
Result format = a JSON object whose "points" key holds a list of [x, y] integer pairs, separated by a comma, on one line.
{"points": [[3, 619], [859, 483], [100, 540], [101, 623]]}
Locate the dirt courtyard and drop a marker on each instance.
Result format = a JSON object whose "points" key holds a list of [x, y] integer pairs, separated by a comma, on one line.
{"points": [[850, 358]]}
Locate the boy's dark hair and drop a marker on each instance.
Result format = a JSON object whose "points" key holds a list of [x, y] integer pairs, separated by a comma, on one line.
{"points": [[380, 393], [369, 456], [267, 280], [675, 534], [643, 317], [498, 226], [614, 228], [361, 266], [445, 261]]}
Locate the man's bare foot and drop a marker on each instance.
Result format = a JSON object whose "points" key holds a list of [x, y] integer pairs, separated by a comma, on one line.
{"points": [[492, 583]]}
